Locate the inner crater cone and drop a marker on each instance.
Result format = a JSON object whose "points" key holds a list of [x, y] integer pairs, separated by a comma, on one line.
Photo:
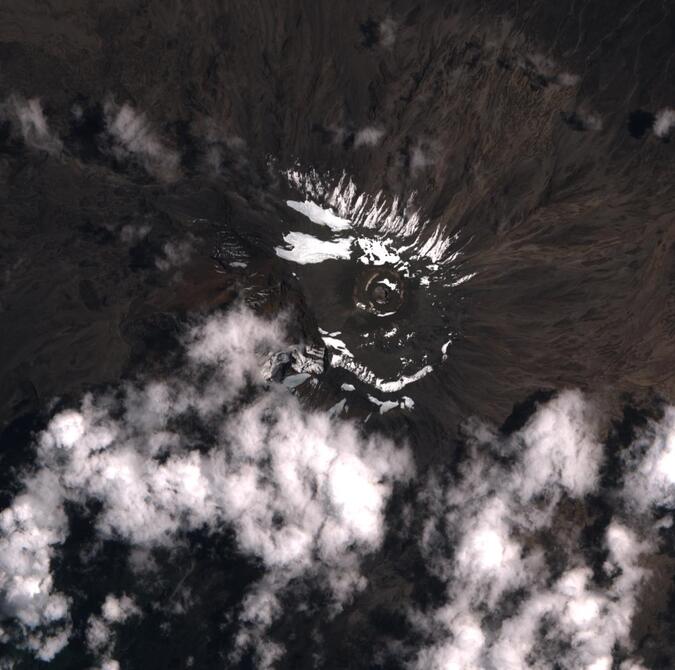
{"points": [[381, 294], [379, 291]]}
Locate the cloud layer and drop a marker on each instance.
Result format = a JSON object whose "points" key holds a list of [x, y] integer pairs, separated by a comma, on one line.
{"points": [[32, 123], [663, 122], [305, 494], [134, 137], [519, 591]]}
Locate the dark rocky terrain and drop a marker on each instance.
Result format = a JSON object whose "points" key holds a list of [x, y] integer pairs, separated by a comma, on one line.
{"points": [[524, 128], [567, 227]]}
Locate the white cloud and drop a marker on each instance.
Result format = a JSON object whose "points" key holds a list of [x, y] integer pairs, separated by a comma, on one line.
{"points": [[585, 119], [388, 32], [118, 610], [220, 144], [491, 516], [592, 120], [304, 493], [45, 646], [423, 155], [131, 234], [33, 125], [650, 465], [260, 608], [560, 450], [175, 255], [549, 70], [630, 664], [590, 621], [664, 122], [369, 136], [461, 652], [100, 632], [133, 136], [29, 528], [567, 79], [234, 343]]}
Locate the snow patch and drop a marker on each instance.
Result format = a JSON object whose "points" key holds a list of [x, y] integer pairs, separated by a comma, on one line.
{"points": [[306, 249], [320, 215]]}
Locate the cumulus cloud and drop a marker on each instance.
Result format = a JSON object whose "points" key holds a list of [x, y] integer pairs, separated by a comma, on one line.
{"points": [[567, 79], [664, 122], [504, 608], [584, 119], [29, 528], [220, 145], [118, 610], [424, 154], [131, 233], [134, 137], [369, 136], [304, 493], [548, 71], [591, 120], [587, 621], [100, 634], [33, 124], [387, 31], [175, 254], [650, 465]]}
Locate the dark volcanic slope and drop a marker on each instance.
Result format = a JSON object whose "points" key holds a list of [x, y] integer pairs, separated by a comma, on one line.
{"points": [[513, 127], [143, 148]]}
